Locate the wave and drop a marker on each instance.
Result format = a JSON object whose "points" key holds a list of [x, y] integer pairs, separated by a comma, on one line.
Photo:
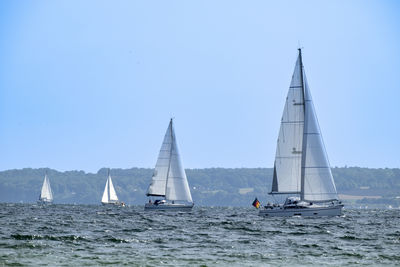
{"points": [[48, 237]]}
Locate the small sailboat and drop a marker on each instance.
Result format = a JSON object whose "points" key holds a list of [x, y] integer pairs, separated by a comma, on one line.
{"points": [[169, 188], [46, 195], [301, 168], [110, 196]]}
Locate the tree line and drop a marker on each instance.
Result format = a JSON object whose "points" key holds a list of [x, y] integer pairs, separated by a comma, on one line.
{"points": [[209, 187]]}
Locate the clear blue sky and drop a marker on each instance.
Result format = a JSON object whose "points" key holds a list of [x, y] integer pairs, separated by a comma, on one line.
{"points": [[89, 84]]}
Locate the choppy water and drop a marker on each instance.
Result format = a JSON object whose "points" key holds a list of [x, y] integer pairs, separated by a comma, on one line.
{"points": [[96, 235]]}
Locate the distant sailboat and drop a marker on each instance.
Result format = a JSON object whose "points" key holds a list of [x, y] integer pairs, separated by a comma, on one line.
{"points": [[301, 163], [169, 183], [46, 195], [109, 195]]}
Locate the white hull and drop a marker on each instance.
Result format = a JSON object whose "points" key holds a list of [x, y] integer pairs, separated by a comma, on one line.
{"points": [[302, 211], [113, 204], [169, 206]]}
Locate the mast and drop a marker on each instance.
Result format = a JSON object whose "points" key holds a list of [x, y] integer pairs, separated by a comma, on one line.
{"points": [[304, 143], [169, 161]]}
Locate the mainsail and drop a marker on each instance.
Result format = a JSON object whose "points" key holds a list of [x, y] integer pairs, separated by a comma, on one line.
{"points": [[46, 194], [159, 179], [287, 169], [109, 195], [169, 178], [301, 163]]}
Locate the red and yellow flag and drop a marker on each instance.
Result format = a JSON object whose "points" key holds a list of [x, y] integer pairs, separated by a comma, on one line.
{"points": [[256, 203]]}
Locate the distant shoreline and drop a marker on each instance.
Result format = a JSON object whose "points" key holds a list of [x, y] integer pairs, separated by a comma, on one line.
{"points": [[210, 187]]}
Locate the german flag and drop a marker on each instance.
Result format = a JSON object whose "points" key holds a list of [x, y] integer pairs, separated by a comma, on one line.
{"points": [[256, 203]]}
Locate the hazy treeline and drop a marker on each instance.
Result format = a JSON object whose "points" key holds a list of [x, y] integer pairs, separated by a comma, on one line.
{"points": [[209, 187]]}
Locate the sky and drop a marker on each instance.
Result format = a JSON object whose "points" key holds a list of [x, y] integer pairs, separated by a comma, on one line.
{"points": [[92, 84]]}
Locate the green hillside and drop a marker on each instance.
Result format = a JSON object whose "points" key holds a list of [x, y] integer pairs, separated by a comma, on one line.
{"points": [[210, 187]]}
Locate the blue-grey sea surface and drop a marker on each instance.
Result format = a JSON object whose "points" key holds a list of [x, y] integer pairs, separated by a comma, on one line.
{"points": [[90, 235]]}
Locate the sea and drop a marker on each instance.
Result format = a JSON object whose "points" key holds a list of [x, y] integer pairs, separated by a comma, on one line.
{"points": [[94, 235]]}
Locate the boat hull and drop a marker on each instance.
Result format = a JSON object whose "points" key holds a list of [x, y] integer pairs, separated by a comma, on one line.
{"points": [[118, 204], [306, 211], [169, 206], [44, 202]]}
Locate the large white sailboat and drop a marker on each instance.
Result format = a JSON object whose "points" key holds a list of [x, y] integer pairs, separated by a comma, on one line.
{"points": [[109, 195], [46, 195], [301, 169], [169, 188]]}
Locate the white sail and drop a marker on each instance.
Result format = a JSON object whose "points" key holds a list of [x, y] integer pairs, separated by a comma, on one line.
{"points": [[177, 184], [287, 169], [112, 194], [46, 194], [318, 179], [169, 178], [104, 199], [109, 194], [301, 162], [159, 179]]}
